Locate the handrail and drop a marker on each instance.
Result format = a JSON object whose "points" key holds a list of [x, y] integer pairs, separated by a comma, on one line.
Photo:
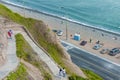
{"points": [[29, 34]]}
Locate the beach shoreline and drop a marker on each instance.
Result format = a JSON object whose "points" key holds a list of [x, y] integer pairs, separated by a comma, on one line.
{"points": [[63, 18], [86, 32]]}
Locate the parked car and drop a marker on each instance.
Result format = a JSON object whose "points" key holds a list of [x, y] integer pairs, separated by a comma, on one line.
{"points": [[54, 30], [104, 51], [83, 43], [114, 51], [59, 33], [97, 46]]}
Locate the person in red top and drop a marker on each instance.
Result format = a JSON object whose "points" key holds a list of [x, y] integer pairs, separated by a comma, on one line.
{"points": [[9, 34]]}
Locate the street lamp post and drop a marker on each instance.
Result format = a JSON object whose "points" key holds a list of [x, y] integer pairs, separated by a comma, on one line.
{"points": [[66, 23], [23, 4]]}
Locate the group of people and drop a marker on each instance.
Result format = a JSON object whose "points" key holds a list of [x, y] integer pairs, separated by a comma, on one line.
{"points": [[62, 72], [10, 34]]}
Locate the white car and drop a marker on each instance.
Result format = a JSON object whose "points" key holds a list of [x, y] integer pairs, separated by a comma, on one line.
{"points": [[59, 33], [97, 46]]}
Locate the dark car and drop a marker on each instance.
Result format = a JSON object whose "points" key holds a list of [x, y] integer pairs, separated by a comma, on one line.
{"points": [[114, 51], [54, 30], [83, 43]]}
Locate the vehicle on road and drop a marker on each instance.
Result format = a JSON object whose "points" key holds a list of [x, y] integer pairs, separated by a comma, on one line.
{"points": [[104, 51], [83, 43], [114, 51], [59, 33], [97, 46]]}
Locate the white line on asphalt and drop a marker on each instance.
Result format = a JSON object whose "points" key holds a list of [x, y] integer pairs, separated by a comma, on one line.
{"points": [[89, 52]]}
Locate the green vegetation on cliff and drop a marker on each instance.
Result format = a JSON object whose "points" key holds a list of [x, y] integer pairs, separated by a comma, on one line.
{"points": [[24, 51], [39, 31], [42, 34], [19, 74], [90, 76]]}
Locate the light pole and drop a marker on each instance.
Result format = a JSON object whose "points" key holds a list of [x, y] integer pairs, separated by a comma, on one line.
{"points": [[65, 23], [23, 4]]}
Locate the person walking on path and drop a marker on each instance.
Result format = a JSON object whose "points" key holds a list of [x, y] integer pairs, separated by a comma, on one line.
{"points": [[9, 34], [64, 72], [60, 72]]}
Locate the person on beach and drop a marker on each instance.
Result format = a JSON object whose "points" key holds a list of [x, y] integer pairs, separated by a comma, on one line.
{"points": [[71, 35], [115, 38], [102, 34], [98, 42], [90, 40]]}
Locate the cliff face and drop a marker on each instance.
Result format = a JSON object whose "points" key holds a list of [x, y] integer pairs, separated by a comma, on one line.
{"points": [[3, 45]]}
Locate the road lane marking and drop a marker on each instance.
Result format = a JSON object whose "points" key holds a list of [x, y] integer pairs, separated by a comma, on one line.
{"points": [[96, 66], [68, 47], [90, 53]]}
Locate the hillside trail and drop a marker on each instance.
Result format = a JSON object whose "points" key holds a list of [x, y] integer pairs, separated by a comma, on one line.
{"points": [[43, 56]]}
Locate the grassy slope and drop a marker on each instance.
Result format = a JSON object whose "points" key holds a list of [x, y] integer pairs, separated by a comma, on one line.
{"points": [[40, 33], [19, 74], [90, 76], [24, 51]]}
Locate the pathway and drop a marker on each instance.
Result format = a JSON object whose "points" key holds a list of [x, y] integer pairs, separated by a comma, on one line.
{"points": [[44, 57], [12, 60]]}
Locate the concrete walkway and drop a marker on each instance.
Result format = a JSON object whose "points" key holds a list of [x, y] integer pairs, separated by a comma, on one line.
{"points": [[12, 60], [44, 57]]}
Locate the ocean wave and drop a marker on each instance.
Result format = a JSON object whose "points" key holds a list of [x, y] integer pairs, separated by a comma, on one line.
{"points": [[61, 17]]}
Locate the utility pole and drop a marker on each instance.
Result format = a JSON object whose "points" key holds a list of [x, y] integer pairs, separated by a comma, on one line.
{"points": [[66, 31], [65, 23], [23, 5], [23, 8]]}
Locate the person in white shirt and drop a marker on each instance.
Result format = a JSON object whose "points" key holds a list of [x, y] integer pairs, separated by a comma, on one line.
{"points": [[64, 72]]}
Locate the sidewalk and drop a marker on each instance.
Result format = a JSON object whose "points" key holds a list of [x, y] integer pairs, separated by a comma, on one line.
{"points": [[12, 60], [44, 57]]}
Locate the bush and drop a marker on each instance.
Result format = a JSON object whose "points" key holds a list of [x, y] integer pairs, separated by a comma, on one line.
{"points": [[19, 74], [75, 77]]}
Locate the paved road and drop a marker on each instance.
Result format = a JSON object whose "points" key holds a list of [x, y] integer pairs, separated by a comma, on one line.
{"points": [[104, 68], [12, 60]]}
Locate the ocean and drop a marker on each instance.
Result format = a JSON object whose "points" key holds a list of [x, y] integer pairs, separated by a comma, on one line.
{"points": [[102, 14]]}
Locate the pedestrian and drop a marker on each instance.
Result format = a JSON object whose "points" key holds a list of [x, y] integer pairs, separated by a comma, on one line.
{"points": [[90, 40], [60, 72], [102, 34], [71, 35], [98, 42], [64, 72], [9, 34]]}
